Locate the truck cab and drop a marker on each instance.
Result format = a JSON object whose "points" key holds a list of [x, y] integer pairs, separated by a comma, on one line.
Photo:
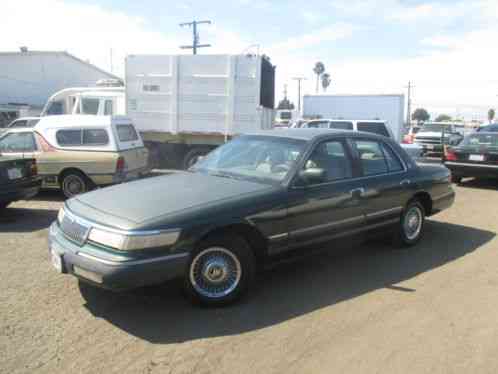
{"points": [[87, 100]]}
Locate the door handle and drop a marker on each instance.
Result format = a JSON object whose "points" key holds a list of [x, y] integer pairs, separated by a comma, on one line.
{"points": [[358, 192], [405, 182]]}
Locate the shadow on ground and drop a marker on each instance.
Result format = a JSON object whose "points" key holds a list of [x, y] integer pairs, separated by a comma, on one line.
{"points": [[25, 219], [481, 183], [49, 195], [161, 315]]}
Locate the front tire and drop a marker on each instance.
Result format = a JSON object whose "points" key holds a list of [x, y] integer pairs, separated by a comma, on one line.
{"points": [[411, 225], [220, 271]]}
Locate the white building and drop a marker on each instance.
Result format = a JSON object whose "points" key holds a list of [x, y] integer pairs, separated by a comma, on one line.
{"points": [[29, 78]]}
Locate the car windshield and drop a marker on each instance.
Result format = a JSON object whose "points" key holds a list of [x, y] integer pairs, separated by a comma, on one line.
{"points": [[432, 127], [481, 139], [265, 159]]}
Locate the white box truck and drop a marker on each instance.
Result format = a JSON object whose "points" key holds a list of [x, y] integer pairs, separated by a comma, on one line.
{"points": [[186, 105], [388, 108]]}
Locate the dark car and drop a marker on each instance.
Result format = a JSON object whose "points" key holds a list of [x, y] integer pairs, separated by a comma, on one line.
{"points": [[18, 180], [253, 198], [476, 156]]}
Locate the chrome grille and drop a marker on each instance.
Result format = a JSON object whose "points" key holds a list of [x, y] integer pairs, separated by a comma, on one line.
{"points": [[74, 230], [428, 140]]}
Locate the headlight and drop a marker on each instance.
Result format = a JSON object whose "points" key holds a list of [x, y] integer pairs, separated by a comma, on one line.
{"points": [[135, 241], [60, 215]]}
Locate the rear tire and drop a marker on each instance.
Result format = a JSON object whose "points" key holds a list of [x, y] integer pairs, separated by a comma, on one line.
{"points": [[75, 183], [411, 225], [193, 156], [220, 271]]}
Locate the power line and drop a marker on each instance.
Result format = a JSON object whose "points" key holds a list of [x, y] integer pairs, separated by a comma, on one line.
{"points": [[195, 36]]}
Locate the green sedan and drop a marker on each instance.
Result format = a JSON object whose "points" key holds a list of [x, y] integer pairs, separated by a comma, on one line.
{"points": [[249, 200]]}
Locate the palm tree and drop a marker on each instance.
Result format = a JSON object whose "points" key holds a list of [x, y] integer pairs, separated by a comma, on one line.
{"points": [[326, 80], [319, 69], [491, 115]]}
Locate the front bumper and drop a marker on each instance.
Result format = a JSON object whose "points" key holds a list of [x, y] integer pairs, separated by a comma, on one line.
{"points": [[111, 271], [465, 169], [21, 190]]}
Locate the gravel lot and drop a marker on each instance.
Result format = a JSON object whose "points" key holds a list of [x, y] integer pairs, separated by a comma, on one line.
{"points": [[367, 308]]}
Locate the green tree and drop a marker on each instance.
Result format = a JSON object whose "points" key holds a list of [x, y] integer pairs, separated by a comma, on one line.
{"points": [[443, 118], [491, 115], [286, 104], [319, 69], [421, 115], [326, 80]]}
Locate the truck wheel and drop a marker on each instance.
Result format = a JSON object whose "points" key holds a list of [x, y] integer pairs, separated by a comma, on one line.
{"points": [[193, 156], [220, 271], [411, 225], [74, 183]]}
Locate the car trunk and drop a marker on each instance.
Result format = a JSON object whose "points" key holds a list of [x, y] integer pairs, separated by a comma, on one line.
{"points": [[479, 148], [478, 155], [15, 170]]}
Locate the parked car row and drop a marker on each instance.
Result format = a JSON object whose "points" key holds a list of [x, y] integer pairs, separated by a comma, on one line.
{"points": [[76, 153]]}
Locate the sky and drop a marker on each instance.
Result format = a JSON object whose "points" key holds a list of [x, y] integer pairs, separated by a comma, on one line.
{"points": [[448, 48]]}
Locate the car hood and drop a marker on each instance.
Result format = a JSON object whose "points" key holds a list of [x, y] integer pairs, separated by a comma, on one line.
{"points": [[136, 204]]}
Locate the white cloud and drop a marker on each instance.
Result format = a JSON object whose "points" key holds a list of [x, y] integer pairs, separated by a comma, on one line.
{"points": [[311, 16], [325, 34]]}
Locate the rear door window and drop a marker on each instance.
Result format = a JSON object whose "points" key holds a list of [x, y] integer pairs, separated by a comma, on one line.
{"points": [[378, 128], [372, 157], [318, 125], [90, 106], [341, 125], [108, 108], [69, 137], [126, 133], [331, 156], [95, 137]]}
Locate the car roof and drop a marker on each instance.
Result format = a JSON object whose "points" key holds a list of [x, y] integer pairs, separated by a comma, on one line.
{"points": [[25, 119], [313, 134], [79, 120], [346, 120]]}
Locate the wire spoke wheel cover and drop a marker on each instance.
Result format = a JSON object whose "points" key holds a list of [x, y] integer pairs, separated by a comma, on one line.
{"points": [[215, 272], [413, 221]]}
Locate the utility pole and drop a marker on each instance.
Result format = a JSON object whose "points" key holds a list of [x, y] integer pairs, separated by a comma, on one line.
{"points": [[195, 34], [409, 105], [299, 80], [112, 67]]}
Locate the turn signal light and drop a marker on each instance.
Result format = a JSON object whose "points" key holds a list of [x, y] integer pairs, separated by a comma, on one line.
{"points": [[120, 165], [449, 155]]}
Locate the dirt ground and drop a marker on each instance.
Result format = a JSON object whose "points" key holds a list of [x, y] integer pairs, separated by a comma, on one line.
{"points": [[367, 309]]}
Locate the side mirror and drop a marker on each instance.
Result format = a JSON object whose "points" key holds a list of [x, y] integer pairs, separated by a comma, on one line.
{"points": [[313, 175]]}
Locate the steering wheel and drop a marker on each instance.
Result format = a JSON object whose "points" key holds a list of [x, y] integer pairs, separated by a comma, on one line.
{"points": [[280, 168]]}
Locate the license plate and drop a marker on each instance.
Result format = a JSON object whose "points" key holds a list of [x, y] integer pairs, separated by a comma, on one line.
{"points": [[56, 261], [476, 158], [15, 173], [429, 146]]}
